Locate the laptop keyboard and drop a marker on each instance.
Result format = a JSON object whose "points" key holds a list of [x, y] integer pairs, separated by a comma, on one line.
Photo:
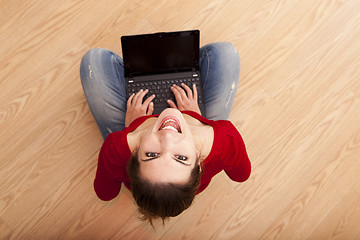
{"points": [[162, 90]]}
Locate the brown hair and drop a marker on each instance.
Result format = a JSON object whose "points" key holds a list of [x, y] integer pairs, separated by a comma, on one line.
{"points": [[161, 200]]}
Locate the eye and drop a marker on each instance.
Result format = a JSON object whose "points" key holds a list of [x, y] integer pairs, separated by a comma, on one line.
{"points": [[181, 157], [151, 154]]}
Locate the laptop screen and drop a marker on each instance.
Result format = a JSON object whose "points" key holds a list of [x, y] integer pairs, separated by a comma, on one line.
{"points": [[160, 53]]}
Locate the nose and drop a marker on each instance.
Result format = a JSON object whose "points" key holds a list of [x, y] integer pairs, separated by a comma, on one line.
{"points": [[169, 137], [166, 136]]}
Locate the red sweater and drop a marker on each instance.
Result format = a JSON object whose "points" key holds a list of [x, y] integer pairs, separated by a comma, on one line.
{"points": [[228, 153]]}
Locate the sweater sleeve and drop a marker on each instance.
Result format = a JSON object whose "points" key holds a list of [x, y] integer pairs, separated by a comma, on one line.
{"points": [[236, 163], [109, 171]]}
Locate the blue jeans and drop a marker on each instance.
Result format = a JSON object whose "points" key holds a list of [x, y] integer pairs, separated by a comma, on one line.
{"points": [[103, 81]]}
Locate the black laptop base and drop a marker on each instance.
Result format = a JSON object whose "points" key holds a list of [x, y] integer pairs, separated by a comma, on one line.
{"points": [[162, 89]]}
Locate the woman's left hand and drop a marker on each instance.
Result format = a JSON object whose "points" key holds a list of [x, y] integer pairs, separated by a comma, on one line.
{"points": [[137, 108]]}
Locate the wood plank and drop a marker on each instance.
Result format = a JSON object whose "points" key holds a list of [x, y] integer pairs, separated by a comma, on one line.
{"points": [[39, 222], [5, 230], [323, 192], [342, 222], [17, 20]]}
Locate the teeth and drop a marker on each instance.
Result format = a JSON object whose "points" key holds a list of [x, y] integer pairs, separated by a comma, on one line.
{"points": [[169, 120], [168, 124], [170, 128]]}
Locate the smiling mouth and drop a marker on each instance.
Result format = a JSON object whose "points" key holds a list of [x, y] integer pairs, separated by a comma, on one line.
{"points": [[170, 123]]}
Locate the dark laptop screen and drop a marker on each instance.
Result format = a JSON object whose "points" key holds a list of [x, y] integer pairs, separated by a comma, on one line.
{"points": [[160, 52]]}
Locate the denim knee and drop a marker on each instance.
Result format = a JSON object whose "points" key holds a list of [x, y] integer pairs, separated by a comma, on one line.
{"points": [[94, 52], [224, 50], [220, 70], [86, 62], [91, 57]]}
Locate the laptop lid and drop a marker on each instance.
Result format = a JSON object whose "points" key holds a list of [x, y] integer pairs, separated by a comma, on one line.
{"points": [[159, 53]]}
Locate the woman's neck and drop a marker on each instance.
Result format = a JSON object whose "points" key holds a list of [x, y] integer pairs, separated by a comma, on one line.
{"points": [[203, 136]]}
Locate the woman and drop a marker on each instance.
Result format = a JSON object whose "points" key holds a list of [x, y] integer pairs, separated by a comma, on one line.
{"points": [[166, 159]]}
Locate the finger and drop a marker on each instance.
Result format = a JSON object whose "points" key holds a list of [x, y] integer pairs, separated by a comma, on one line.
{"points": [[195, 92], [177, 93], [150, 109], [140, 96], [171, 104], [149, 100], [129, 101], [181, 93], [188, 90], [137, 95]]}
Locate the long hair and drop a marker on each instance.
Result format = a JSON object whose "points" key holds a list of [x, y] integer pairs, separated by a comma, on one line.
{"points": [[161, 200]]}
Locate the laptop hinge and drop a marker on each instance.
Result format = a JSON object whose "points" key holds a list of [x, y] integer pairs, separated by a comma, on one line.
{"points": [[195, 72]]}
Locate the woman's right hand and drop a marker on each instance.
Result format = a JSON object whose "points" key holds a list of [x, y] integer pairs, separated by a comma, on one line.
{"points": [[186, 99]]}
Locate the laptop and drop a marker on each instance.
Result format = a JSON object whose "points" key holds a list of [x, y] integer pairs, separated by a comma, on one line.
{"points": [[159, 60]]}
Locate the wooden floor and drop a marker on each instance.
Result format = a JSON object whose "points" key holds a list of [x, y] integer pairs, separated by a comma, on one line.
{"points": [[297, 108]]}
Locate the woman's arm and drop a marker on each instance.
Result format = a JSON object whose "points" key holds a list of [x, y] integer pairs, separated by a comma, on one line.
{"points": [[236, 164], [110, 170]]}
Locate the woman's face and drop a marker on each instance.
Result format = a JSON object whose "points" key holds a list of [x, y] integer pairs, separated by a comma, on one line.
{"points": [[167, 151]]}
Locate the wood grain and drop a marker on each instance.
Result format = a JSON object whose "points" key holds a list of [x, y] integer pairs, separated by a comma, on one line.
{"points": [[297, 108], [342, 221]]}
